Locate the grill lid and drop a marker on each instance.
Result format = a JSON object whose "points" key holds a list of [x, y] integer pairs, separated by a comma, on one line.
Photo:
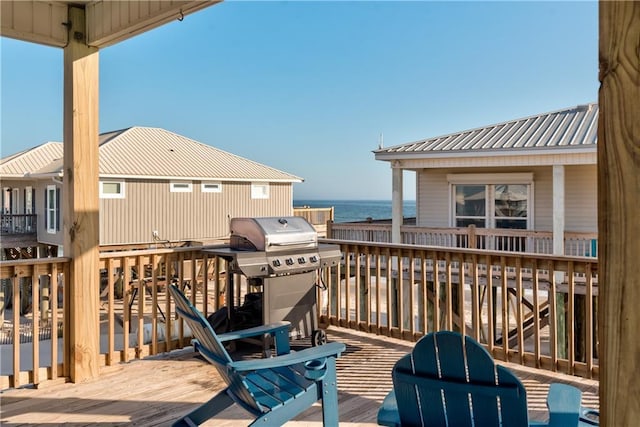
{"points": [[273, 234]]}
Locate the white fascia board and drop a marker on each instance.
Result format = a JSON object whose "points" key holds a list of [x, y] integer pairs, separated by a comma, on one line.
{"points": [[482, 153], [42, 175], [198, 178]]}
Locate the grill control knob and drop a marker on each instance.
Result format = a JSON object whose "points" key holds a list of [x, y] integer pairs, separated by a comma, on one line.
{"points": [[276, 263], [313, 258], [289, 261], [301, 260]]}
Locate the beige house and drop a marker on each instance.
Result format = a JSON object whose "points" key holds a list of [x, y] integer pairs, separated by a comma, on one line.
{"points": [[537, 173], [155, 186]]}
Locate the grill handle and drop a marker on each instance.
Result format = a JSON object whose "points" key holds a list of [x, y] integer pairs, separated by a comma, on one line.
{"points": [[293, 243]]}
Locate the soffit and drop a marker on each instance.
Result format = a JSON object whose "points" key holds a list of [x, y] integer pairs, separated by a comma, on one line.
{"points": [[107, 22]]}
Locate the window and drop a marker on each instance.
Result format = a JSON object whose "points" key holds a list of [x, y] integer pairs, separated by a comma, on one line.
{"points": [[500, 201], [471, 201], [52, 214], [259, 191], [112, 189], [510, 203], [181, 187], [211, 187]]}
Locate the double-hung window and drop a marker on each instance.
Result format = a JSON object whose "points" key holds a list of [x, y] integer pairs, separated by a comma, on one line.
{"points": [[493, 200]]}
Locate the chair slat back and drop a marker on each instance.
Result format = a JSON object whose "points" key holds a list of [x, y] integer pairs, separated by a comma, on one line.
{"points": [[452, 380], [212, 349]]}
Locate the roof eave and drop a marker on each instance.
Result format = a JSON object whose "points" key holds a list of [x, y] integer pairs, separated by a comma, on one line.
{"points": [[484, 153]]}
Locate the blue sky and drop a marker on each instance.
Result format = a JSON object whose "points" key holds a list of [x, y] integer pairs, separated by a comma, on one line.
{"points": [[308, 87]]}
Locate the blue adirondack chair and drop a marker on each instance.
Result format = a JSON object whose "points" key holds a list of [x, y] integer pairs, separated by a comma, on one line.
{"points": [[448, 380], [273, 390]]}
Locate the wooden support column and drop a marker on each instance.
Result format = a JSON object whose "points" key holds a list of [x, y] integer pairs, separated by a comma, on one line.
{"points": [[618, 213], [396, 203], [80, 195]]}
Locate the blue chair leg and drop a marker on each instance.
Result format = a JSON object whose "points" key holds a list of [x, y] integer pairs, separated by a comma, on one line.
{"points": [[217, 404], [329, 390]]}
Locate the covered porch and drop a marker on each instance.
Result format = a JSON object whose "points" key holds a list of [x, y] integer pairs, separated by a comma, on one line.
{"points": [[617, 197]]}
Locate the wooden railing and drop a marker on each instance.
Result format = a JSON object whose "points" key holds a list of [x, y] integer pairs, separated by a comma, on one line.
{"points": [[34, 326], [535, 310], [136, 317], [521, 310], [18, 223], [498, 239], [318, 217]]}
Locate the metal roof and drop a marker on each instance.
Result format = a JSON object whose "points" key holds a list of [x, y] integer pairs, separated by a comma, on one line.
{"points": [[570, 128], [19, 164], [154, 153]]}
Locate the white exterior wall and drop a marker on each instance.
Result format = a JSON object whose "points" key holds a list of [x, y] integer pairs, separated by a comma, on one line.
{"points": [[432, 200], [581, 192], [433, 205]]}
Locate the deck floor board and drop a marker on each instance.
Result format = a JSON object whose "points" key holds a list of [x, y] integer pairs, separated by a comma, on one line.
{"points": [[155, 391]]}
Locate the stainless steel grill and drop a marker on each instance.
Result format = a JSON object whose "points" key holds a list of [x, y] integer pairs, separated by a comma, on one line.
{"points": [[280, 255]]}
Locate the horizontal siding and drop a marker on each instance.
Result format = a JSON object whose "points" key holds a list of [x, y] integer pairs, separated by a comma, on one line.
{"points": [[196, 216], [543, 199], [581, 198], [433, 199]]}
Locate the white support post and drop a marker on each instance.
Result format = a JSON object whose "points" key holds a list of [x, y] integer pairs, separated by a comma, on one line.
{"points": [[396, 204], [558, 209]]}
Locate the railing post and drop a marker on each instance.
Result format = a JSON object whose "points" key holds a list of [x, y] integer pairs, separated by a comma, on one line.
{"points": [[471, 230]]}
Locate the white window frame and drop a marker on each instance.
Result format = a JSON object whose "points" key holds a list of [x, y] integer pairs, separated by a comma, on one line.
{"points": [[211, 187], [259, 190], [181, 186], [489, 181], [50, 211], [28, 202], [119, 195]]}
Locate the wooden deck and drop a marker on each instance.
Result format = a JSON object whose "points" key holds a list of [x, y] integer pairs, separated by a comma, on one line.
{"points": [[157, 390]]}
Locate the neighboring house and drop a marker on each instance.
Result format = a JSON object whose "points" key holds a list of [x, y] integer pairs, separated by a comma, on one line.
{"points": [[155, 186], [535, 173]]}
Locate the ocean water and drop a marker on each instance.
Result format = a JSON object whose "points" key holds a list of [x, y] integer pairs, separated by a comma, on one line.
{"points": [[359, 210]]}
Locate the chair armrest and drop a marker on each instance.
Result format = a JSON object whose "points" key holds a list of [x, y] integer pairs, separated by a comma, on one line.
{"points": [[278, 330], [388, 414], [333, 349], [563, 402], [589, 417]]}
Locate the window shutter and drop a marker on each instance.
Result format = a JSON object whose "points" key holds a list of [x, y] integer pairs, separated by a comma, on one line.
{"points": [[57, 209], [46, 210]]}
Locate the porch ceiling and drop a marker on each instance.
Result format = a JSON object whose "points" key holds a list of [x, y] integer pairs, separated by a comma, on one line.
{"points": [[107, 22]]}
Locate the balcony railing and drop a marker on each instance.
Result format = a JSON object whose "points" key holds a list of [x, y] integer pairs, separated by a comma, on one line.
{"points": [[18, 224], [536, 310], [318, 217], [498, 239]]}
